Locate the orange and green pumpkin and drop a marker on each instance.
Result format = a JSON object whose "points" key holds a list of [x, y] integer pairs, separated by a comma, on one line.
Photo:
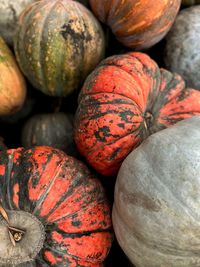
{"points": [[123, 101], [53, 211], [138, 24], [12, 83], [58, 43]]}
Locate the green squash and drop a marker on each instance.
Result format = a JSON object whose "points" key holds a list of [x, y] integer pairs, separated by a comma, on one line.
{"points": [[58, 43]]}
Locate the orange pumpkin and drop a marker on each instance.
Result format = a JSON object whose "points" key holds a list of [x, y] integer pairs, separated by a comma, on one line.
{"points": [[12, 83], [122, 102], [137, 24]]}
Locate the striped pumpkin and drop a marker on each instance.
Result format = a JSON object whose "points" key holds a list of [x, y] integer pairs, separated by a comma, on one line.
{"points": [[57, 44], [53, 211], [138, 24], [122, 102]]}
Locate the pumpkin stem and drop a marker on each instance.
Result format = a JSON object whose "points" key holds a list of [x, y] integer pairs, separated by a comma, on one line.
{"points": [[148, 119], [15, 234]]}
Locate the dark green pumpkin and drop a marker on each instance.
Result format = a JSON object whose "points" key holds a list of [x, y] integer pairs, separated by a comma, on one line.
{"points": [[190, 2], [58, 43], [50, 129]]}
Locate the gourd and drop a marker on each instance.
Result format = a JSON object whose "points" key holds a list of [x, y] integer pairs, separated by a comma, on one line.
{"points": [[50, 129], [156, 202], [12, 83], [182, 46], [58, 43], [137, 24], [9, 12], [123, 101], [54, 212]]}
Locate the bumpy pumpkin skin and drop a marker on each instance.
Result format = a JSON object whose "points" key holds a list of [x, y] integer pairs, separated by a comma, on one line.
{"points": [[57, 44], [123, 101], [182, 46], [9, 12], [12, 83], [64, 196], [138, 24], [50, 129], [156, 207]]}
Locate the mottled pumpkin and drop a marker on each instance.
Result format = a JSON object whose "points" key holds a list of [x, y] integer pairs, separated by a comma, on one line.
{"points": [[58, 43], [138, 24], [50, 129], [122, 102], [57, 210], [12, 83], [157, 198]]}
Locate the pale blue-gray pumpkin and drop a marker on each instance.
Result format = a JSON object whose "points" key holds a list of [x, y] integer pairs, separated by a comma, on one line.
{"points": [[57, 44]]}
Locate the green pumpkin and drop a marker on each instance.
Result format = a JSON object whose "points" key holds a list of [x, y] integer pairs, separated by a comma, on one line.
{"points": [[58, 43]]}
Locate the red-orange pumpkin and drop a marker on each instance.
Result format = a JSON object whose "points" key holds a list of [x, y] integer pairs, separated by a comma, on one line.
{"points": [[58, 204], [123, 101], [138, 24]]}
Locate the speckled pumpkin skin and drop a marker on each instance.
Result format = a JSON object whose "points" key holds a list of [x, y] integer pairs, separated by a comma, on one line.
{"points": [[62, 193], [57, 44], [123, 101], [12, 83], [182, 47], [157, 198], [138, 24], [9, 12]]}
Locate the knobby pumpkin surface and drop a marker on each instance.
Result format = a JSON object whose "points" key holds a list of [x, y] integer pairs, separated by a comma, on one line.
{"points": [[58, 204], [57, 44], [122, 102], [12, 83], [138, 24], [156, 209]]}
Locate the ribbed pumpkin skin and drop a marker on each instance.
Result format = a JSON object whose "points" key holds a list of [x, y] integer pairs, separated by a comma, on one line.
{"points": [[57, 44], [123, 101], [138, 24], [62, 193], [50, 129], [12, 83]]}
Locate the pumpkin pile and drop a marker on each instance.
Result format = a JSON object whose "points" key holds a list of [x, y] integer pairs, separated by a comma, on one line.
{"points": [[99, 133]]}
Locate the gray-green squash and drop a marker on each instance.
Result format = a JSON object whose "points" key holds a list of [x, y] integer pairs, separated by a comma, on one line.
{"points": [[58, 43], [156, 212]]}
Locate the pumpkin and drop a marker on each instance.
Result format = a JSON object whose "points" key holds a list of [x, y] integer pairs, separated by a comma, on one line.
{"points": [[54, 211], [50, 129], [190, 2], [184, 39], [12, 83], [9, 12], [122, 102], [156, 208], [58, 43], [137, 24]]}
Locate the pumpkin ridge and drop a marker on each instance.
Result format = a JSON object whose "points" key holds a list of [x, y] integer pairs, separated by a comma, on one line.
{"points": [[8, 177], [41, 54], [111, 143], [91, 205], [50, 185]]}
